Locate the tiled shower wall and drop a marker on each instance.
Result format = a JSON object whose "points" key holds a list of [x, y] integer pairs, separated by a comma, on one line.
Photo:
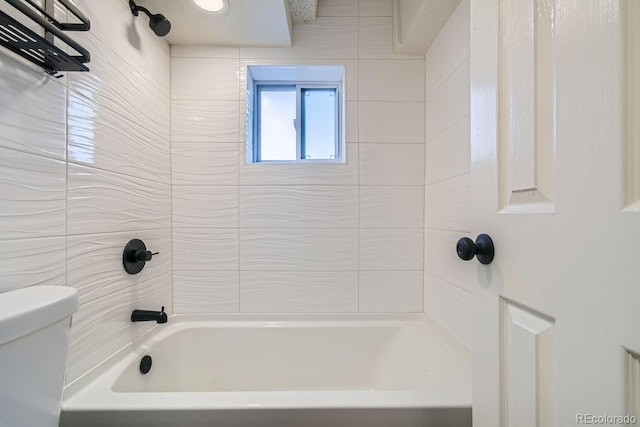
{"points": [[447, 278], [303, 237], [84, 167]]}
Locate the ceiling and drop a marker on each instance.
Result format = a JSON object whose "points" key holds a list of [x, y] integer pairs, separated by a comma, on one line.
{"points": [[259, 23]]}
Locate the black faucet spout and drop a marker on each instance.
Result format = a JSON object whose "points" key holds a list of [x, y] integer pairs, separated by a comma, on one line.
{"points": [[149, 315]]}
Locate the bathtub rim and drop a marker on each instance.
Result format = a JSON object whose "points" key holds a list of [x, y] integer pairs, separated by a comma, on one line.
{"points": [[80, 394]]}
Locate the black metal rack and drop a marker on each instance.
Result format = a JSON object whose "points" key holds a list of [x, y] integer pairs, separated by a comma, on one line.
{"points": [[40, 50]]}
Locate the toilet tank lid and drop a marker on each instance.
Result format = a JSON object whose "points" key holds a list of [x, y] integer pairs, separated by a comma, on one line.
{"points": [[27, 310]]}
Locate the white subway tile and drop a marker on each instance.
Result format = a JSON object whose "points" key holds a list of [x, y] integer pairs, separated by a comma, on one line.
{"points": [[449, 154], [206, 292], [205, 164], [298, 249], [391, 207], [391, 80], [391, 291], [298, 292], [205, 206], [448, 204], [392, 122], [104, 202], [32, 262], [33, 196], [328, 37], [299, 207], [207, 79], [391, 249], [205, 121], [205, 249], [450, 306], [450, 102], [275, 174], [126, 144], [392, 164]]}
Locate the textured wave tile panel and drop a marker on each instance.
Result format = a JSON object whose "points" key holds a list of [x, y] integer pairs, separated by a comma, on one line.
{"points": [[375, 39], [442, 260], [449, 154], [327, 37], [32, 262], [297, 249], [392, 80], [391, 249], [350, 66], [391, 207], [392, 164], [298, 292], [205, 164], [205, 250], [115, 85], [450, 306], [205, 207], [448, 204], [450, 102], [33, 196], [351, 122], [105, 202], [205, 292], [205, 121], [375, 8], [205, 52], [94, 264], [116, 142], [451, 49], [391, 291], [399, 122], [337, 8], [103, 325], [207, 79], [32, 114], [274, 174], [299, 207]]}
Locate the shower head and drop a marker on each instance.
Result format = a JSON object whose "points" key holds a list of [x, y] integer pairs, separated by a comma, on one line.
{"points": [[157, 22]]}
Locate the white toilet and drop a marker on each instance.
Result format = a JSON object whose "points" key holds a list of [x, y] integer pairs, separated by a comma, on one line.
{"points": [[34, 340]]}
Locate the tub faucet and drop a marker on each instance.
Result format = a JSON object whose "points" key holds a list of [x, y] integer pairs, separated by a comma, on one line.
{"points": [[146, 315]]}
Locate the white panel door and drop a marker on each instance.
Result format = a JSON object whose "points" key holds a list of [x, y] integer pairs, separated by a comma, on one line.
{"points": [[555, 140]]}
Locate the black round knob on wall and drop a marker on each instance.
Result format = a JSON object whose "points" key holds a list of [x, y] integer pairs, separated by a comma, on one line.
{"points": [[482, 249]]}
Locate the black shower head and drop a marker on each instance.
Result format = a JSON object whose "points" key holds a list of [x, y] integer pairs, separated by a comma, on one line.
{"points": [[157, 22]]}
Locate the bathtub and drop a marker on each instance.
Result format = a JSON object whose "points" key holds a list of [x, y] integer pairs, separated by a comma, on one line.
{"points": [[280, 370]]}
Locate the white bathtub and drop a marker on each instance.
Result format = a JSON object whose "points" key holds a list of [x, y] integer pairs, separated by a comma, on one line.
{"points": [[244, 370]]}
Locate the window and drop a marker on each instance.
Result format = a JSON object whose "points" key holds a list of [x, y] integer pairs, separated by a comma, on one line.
{"points": [[295, 119]]}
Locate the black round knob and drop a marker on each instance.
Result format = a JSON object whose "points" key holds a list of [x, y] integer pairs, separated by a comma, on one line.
{"points": [[143, 255], [466, 249], [135, 256], [482, 249]]}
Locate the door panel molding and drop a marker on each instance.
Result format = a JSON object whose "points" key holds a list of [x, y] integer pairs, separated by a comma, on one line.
{"points": [[630, 16], [526, 117]]}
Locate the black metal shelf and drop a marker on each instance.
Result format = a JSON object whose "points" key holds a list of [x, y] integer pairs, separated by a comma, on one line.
{"points": [[40, 50]]}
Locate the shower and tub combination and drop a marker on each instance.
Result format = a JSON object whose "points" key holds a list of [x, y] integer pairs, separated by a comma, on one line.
{"points": [[279, 370]]}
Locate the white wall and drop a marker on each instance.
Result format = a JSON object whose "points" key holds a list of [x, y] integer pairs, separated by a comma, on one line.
{"points": [[447, 198], [301, 238], [84, 167]]}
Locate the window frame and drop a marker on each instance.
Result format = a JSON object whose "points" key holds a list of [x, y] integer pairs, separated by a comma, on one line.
{"points": [[275, 85]]}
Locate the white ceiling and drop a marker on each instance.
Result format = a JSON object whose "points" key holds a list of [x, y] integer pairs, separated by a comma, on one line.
{"points": [[245, 23]]}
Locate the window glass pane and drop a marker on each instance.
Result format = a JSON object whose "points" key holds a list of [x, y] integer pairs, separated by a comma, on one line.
{"points": [[319, 123], [277, 123]]}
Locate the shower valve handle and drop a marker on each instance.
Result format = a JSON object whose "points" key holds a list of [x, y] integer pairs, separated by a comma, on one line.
{"points": [[482, 249]]}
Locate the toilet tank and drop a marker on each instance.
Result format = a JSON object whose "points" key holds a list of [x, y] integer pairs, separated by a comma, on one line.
{"points": [[34, 340]]}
